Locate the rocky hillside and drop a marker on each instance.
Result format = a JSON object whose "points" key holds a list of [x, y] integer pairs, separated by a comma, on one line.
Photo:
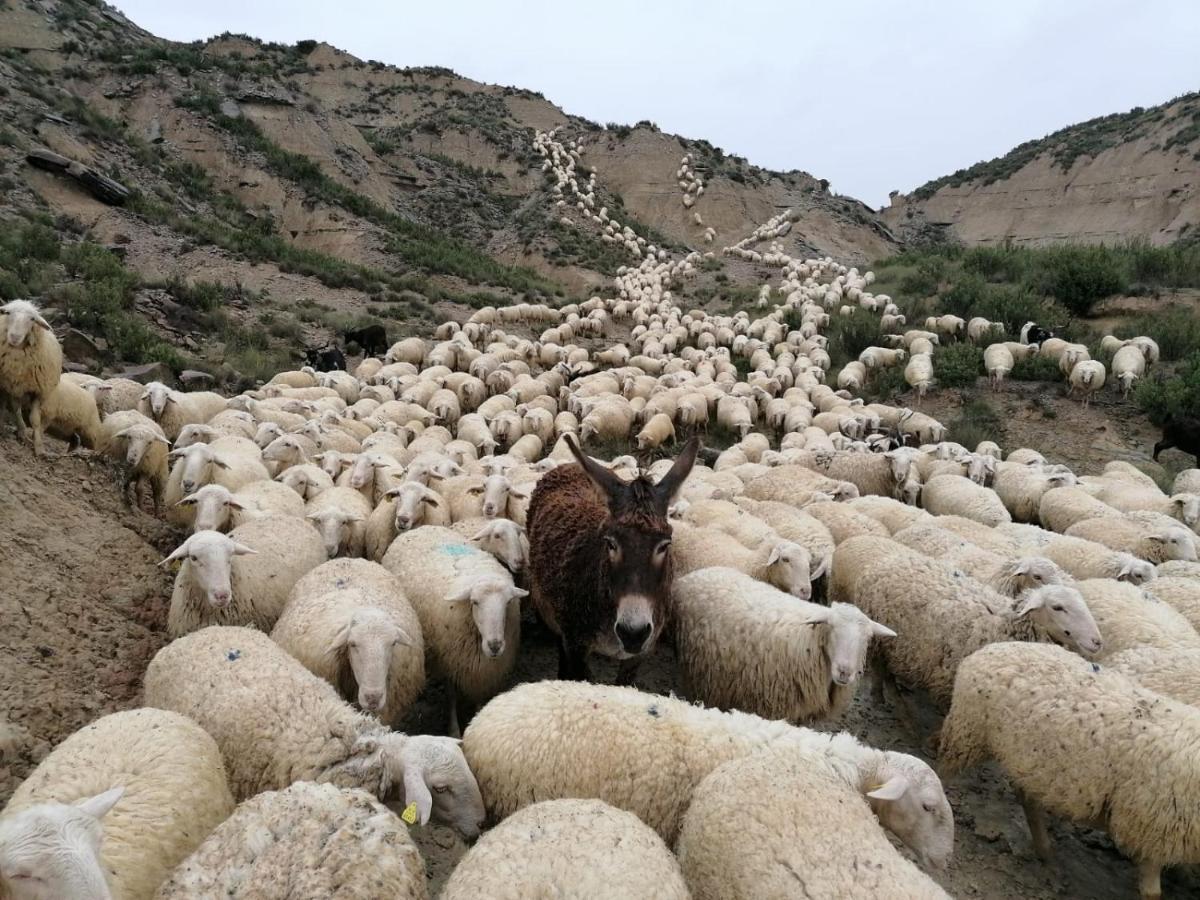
{"points": [[291, 190], [1124, 176]]}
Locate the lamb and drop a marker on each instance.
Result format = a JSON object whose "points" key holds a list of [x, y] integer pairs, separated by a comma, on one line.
{"points": [[553, 739], [942, 617], [954, 495], [1130, 616], [140, 444], [734, 415], [1085, 744], [349, 622], [1172, 673], [1061, 508], [656, 432], [807, 658], [775, 561], [405, 506], [276, 723], [600, 561], [1153, 543], [30, 365], [503, 538], [919, 374], [231, 462], [568, 848], [464, 600], [759, 820], [150, 782], [310, 840], [306, 480], [216, 586], [340, 515], [69, 413], [1086, 378]]}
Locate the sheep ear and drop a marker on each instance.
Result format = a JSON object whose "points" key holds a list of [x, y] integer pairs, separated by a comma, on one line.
{"points": [[892, 789], [220, 463], [243, 550], [524, 492], [416, 792], [821, 569], [818, 616], [98, 806], [175, 454], [773, 557], [235, 504], [160, 439], [189, 500], [518, 593], [178, 553], [475, 490], [391, 493], [1157, 538], [1031, 601], [41, 322], [878, 630], [339, 641], [404, 637], [1021, 568], [459, 594], [431, 498]]}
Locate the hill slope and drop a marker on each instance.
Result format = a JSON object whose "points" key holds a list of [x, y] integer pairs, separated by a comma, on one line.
{"points": [[330, 189], [1123, 176]]}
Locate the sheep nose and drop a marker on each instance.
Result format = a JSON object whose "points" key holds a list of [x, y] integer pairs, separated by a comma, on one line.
{"points": [[220, 598], [843, 677], [489, 510], [633, 637], [495, 648], [372, 700], [189, 486]]}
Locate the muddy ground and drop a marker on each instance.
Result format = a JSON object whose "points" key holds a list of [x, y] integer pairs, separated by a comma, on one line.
{"points": [[84, 609]]}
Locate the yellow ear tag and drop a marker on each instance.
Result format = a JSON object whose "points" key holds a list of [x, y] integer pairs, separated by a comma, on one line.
{"points": [[410, 814]]}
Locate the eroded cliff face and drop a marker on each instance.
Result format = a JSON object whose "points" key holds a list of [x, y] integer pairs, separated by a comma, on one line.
{"points": [[1145, 185]]}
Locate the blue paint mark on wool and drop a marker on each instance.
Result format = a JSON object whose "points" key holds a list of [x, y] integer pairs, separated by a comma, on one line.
{"points": [[233, 655], [457, 550]]}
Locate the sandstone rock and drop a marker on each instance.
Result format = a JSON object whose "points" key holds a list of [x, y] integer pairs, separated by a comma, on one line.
{"points": [[194, 378], [80, 348], [150, 372]]}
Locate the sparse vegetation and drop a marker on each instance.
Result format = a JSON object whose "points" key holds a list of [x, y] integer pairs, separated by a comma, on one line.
{"points": [[977, 421], [1177, 394], [958, 365]]}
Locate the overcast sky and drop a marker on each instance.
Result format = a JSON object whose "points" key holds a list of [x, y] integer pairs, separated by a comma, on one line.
{"points": [[874, 95]]}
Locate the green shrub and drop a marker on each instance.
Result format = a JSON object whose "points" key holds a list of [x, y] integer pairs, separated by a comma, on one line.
{"points": [[1079, 277], [977, 421], [1176, 331], [958, 365], [850, 335], [1036, 368], [1178, 395]]}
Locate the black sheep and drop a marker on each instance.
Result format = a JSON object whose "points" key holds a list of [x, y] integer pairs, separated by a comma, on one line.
{"points": [[325, 359], [372, 339], [1181, 433]]}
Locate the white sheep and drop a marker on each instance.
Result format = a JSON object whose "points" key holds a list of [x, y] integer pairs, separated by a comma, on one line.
{"points": [[219, 509], [30, 365], [315, 839], [1172, 673], [1128, 365], [954, 495], [1153, 542], [918, 373], [306, 480], [276, 723], [1064, 731], [405, 506], [149, 782], [756, 822], [218, 584], [503, 538], [562, 848], [646, 754], [1132, 616], [340, 515], [140, 444], [1062, 507], [171, 409], [348, 621], [942, 617], [1084, 559], [998, 362], [1021, 487], [464, 599], [1086, 378], [69, 413], [806, 658], [778, 562], [656, 432]]}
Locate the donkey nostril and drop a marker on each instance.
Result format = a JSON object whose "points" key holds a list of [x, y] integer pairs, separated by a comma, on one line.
{"points": [[633, 637]]}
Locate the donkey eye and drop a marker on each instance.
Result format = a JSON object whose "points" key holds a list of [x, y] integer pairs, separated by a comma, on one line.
{"points": [[441, 788]]}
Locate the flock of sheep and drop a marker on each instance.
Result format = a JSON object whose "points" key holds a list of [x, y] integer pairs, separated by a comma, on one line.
{"points": [[352, 535]]}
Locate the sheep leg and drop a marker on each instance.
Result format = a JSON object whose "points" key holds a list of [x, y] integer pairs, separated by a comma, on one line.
{"points": [[627, 671], [35, 422], [1036, 817], [19, 419], [452, 728], [1150, 880]]}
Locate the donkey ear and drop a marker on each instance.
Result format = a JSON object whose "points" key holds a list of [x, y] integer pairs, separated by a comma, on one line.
{"points": [[609, 484], [665, 490]]}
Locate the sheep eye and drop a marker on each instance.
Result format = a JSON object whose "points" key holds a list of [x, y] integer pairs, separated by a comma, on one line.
{"points": [[928, 807], [441, 788], [354, 645], [1057, 608]]}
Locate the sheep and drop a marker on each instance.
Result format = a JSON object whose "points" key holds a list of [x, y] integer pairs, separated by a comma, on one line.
{"points": [[881, 474], [1172, 673], [1128, 365], [1086, 378], [954, 495], [775, 561], [1061, 508], [734, 415], [30, 365], [219, 509], [150, 782], [340, 515], [69, 413], [215, 586], [599, 562], [276, 723], [1084, 559], [656, 432], [1021, 487], [405, 506], [140, 444], [1153, 543], [807, 658], [1181, 593], [115, 395], [170, 409], [998, 362], [1130, 616], [561, 848], [503, 538], [795, 484], [231, 462], [1085, 744], [756, 822], [349, 622], [843, 522], [306, 480], [553, 739], [943, 617], [978, 328], [919, 374], [308, 840], [1009, 577], [1187, 482], [464, 600], [892, 514]]}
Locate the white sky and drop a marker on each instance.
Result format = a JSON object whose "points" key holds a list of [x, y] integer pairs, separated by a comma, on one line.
{"points": [[871, 94]]}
